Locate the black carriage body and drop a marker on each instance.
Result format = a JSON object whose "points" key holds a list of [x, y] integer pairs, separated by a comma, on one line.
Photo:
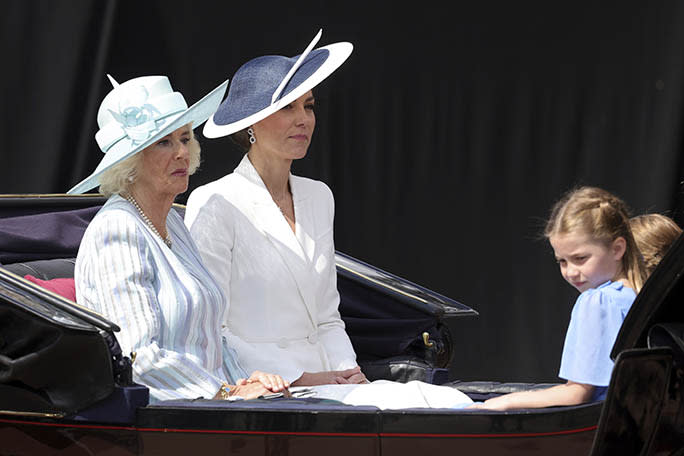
{"points": [[308, 427], [107, 413], [644, 406]]}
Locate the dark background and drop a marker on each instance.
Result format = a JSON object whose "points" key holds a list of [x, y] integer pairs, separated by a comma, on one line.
{"points": [[445, 137]]}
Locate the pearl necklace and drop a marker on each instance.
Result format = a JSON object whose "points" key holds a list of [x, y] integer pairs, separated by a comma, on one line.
{"points": [[167, 239]]}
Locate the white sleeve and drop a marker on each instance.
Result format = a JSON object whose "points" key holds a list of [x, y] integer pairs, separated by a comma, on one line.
{"points": [[209, 219], [331, 329], [115, 276]]}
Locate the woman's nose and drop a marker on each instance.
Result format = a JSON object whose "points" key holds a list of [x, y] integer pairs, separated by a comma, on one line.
{"points": [[302, 116], [182, 151]]}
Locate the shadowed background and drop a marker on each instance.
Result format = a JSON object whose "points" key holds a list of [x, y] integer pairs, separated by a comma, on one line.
{"points": [[445, 137]]}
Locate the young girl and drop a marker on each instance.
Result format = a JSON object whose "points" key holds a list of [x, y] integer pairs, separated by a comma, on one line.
{"points": [[653, 234], [590, 234]]}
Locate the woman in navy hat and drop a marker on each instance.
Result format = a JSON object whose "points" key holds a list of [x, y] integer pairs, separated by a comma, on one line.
{"points": [[137, 264], [267, 235]]}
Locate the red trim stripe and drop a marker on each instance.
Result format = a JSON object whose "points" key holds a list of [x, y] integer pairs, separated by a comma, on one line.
{"points": [[478, 436], [313, 434]]}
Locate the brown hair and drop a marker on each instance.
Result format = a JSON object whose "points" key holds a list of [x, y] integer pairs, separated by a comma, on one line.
{"points": [[653, 234], [241, 138], [604, 217]]}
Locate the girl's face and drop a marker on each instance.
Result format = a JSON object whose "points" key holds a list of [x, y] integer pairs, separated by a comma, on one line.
{"points": [[585, 262], [287, 133]]}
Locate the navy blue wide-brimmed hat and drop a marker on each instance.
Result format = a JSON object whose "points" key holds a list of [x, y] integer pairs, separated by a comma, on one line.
{"points": [[265, 84]]}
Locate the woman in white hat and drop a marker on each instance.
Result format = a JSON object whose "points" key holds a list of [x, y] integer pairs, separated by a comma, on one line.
{"points": [[267, 235], [137, 264]]}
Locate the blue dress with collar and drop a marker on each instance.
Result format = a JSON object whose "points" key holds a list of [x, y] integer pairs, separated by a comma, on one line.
{"points": [[594, 324]]}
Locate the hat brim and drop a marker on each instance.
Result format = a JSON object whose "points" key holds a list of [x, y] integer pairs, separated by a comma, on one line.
{"points": [[196, 114], [338, 53]]}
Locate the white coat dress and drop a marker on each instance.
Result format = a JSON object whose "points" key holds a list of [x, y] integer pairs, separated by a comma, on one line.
{"points": [[281, 286]]}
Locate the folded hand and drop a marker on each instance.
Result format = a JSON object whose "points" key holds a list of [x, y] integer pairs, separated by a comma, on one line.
{"points": [[347, 376]]}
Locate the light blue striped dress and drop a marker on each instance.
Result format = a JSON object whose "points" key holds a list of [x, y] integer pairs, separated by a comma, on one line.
{"points": [[167, 304]]}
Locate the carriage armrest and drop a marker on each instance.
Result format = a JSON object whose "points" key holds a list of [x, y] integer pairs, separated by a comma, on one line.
{"points": [[118, 407], [487, 387]]}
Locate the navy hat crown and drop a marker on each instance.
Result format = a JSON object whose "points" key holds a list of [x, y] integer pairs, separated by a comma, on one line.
{"points": [[254, 83], [265, 84]]}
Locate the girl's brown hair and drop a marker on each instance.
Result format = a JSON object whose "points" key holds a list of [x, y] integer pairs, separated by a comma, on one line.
{"points": [[604, 217], [653, 234]]}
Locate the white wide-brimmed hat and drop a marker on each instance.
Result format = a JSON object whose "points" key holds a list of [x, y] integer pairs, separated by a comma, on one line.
{"points": [[265, 84], [139, 112]]}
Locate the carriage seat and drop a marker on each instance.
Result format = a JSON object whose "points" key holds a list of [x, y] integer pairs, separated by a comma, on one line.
{"points": [[44, 269], [55, 275], [483, 390]]}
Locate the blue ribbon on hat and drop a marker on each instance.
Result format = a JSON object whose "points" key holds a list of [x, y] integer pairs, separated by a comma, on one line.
{"points": [[138, 116], [137, 122]]}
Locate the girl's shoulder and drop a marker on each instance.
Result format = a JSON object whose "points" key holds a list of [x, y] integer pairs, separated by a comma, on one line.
{"points": [[609, 295]]}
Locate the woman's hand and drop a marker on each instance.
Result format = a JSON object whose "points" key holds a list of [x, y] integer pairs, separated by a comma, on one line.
{"points": [[258, 384], [244, 390], [253, 390], [357, 377], [272, 382], [353, 375]]}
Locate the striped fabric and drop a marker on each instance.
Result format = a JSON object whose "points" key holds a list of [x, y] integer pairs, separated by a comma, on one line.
{"points": [[167, 304]]}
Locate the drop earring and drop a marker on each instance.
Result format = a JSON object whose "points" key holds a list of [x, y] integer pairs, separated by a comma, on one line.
{"points": [[250, 132]]}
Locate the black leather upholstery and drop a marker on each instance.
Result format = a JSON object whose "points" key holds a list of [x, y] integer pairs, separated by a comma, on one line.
{"points": [[486, 387], [44, 269], [404, 369]]}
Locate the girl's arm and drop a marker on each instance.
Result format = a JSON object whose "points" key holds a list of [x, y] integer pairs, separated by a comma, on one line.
{"points": [[570, 393]]}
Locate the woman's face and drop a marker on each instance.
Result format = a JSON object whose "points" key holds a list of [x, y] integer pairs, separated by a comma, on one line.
{"points": [[287, 133], [165, 165]]}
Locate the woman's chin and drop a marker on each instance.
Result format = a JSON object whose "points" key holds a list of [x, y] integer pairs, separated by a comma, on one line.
{"points": [[180, 187], [300, 154], [297, 152]]}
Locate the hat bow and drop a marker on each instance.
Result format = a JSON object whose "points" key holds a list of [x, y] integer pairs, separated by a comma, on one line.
{"points": [[138, 116]]}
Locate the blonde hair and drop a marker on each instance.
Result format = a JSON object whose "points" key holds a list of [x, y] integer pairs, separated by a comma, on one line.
{"points": [[653, 234], [602, 216], [118, 179]]}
